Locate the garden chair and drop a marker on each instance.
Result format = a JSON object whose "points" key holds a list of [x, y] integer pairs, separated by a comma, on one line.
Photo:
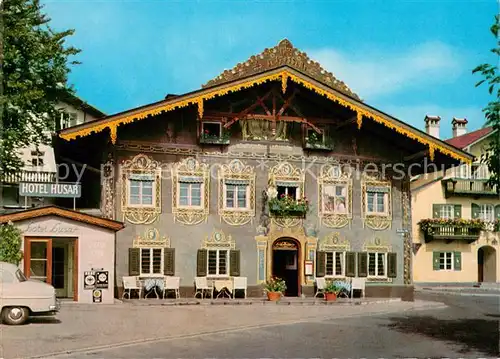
{"points": [[130, 284], [320, 286], [359, 284], [240, 283], [202, 286], [172, 283]]}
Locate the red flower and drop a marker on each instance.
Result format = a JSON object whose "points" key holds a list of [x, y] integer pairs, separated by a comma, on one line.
{"points": [[206, 131]]}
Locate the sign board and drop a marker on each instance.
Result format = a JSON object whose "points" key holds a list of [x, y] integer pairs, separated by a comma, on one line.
{"points": [[97, 296], [402, 231], [89, 280], [309, 267], [64, 190], [102, 279]]}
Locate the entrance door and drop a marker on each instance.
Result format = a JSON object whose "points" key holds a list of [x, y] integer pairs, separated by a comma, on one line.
{"points": [[486, 264], [38, 259], [63, 267], [286, 265]]}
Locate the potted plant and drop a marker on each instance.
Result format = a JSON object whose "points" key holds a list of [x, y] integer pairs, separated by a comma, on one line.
{"points": [[332, 289], [275, 287]]}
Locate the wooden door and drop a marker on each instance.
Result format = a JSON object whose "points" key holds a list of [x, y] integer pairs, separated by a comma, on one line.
{"points": [[38, 259]]}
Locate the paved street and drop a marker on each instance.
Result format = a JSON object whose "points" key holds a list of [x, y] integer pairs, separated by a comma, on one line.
{"points": [[467, 328]]}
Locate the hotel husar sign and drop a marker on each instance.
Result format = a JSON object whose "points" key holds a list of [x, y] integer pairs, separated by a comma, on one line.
{"points": [[68, 190]]}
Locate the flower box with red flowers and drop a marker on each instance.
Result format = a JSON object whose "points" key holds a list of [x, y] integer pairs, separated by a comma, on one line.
{"points": [[215, 138], [287, 206], [468, 229]]}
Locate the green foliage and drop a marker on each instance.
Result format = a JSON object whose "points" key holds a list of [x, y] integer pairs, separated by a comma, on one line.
{"points": [[332, 287], [275, 284], [35, 61], [428, 225], [10, 244], [491, 76], [286, 206]]}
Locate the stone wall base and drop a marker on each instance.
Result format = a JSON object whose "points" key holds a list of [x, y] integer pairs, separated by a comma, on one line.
{"points": [[405, 292]]}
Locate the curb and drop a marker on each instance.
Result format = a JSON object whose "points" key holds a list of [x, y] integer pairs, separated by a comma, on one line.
{"points": [[459, 293]]}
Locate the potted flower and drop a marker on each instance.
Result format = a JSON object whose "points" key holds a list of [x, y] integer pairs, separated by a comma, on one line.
{"points": [[332, 289], [275, 287]]}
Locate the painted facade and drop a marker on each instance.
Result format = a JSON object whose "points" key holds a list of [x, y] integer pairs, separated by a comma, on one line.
{"points": [[269, 166], [461, 193]]}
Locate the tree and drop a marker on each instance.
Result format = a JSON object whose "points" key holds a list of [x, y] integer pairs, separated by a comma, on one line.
{"points": [[491, 76], [10, 244], [34, 72]]}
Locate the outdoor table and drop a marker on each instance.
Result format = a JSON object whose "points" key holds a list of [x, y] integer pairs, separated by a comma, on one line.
{"points": [[152, 284], [223, 287]]}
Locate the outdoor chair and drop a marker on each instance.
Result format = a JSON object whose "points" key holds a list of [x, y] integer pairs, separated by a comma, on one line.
{"points": [[359, 284], [320, 286], [240, 283], [130, 284], [202, 286], [172, 283]]}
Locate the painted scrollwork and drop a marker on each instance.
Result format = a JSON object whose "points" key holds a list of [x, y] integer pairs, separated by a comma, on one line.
{"points": [[151, 239], [237, 173], [219, 240], [334, 196], [190, 170], [381, 220], [141, 166], [108, 189], [333, 242]]}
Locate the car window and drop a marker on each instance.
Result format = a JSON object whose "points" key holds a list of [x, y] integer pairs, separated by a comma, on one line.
{"points": [[20, 276], [6, 276]]}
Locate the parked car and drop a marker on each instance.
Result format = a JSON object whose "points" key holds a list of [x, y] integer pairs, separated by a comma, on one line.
{"points": [[21, 298]]}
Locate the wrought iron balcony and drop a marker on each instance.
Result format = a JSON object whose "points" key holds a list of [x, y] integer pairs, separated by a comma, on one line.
{"points": [[468, 187], [467, 230], [29, 176]]}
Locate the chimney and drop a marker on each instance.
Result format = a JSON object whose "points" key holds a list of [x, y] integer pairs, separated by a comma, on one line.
{"points": [[459, 126], [432, 125]]}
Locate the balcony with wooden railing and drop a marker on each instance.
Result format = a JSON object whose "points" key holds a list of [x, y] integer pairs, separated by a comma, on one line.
{"points": [[28, 176], [468, 187], [451, 230]]}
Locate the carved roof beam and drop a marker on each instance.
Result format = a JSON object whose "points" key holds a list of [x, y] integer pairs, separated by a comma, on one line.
{"points": [[247, 110], [346, 123]]}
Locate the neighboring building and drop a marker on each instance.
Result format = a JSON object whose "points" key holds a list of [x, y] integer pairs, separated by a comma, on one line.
{"points": [[198, 180], [40, 162], [452, 205]]}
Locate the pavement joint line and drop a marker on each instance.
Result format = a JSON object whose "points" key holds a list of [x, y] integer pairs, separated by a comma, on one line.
{"points": [[135, 342]]}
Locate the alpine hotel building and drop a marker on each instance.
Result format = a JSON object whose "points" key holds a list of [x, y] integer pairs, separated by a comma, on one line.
{"points": [[269, 166]]}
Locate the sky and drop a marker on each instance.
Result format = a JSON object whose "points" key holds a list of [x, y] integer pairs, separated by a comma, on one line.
{"points": [[406, 58]]}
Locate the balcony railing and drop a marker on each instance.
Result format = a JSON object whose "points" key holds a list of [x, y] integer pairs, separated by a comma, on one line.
{"points": [[468, 187], [29, 176], [450, 233]]}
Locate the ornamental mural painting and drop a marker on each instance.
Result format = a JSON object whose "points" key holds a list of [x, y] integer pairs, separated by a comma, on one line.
{"points": [[376, 201], [335, 196], [141, 190]]}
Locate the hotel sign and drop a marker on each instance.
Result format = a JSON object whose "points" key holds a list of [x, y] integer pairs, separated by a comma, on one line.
{"points": [[66, 190]]}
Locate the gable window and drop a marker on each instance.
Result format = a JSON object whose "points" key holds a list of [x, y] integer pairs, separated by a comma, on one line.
{"points": [[69, 119], [377, 202], [487, 212], [151, 261], [37, 158], [236, 196], [190, 194], [140, 190], [335, 198], [334, 264], [377, 264], [217, 264], [447, 211]]}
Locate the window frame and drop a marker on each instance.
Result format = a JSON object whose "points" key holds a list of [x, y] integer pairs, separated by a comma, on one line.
{"points": [[334, 262], [217, 261], [211, 123], [448, 207], [190, 197], [376, 275], [375, 203], [151, 263], [445, 257], [311, 130], [235, 198], [298, 193], [482, 210], [140, 205], [38, 156]]}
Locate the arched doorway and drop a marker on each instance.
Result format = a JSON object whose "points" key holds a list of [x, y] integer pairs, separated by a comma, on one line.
{"points": [[286, 264], [486, 264]]}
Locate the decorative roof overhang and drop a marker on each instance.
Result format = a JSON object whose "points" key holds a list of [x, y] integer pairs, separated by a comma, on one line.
{"points": [[283, 75], [64, 213]]}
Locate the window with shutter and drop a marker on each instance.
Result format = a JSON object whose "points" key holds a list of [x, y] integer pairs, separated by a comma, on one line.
{"points": [[320, 263], [497, 212], [457, 261], [151, 261], [169, 261], [217, 264], [392, 268], [334, 264], [201, 263], [457, 211], [475, 208], [350, 264], [234, 262], [377, 265], [435, 260], [436, 211], [487, 212]]}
